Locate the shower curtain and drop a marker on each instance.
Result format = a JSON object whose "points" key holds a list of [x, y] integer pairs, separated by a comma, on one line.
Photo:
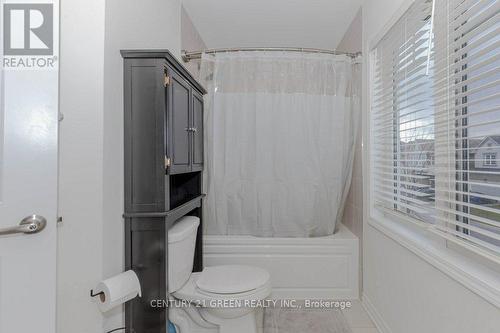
{"points": [[280, 131]]}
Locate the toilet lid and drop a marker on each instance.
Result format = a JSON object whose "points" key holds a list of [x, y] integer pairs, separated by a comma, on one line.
{"points": [[231, 279]]}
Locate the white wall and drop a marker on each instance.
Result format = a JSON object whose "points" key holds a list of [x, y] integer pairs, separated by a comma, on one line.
{"points": [[191, 41], [411, 295], [352, 218], [250, 23], [353, 211], [91, 238], [352, 40], [80, 245]]}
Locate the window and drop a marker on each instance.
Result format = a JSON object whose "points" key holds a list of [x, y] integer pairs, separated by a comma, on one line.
{"points": [[403, 117], [435, 116], [489, 160]]}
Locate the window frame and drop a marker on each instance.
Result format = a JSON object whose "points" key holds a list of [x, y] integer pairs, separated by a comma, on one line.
{"points": [[489, 160], [478, 274]]}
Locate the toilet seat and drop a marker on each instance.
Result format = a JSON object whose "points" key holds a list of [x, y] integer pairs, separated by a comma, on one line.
{"points": [[255, 286]]}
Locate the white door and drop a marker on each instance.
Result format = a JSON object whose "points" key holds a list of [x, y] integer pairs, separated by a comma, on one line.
{"points": [[28, 165]]}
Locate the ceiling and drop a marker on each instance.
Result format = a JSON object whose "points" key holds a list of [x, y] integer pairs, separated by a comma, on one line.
{"points": [[294, 23]]}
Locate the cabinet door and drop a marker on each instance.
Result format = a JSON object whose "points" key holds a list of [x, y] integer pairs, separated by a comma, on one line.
{"points": [[144, 141], [178, 124], [197, 130]]}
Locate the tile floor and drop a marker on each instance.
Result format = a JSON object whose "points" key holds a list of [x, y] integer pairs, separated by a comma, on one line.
{"points": [[294, 320], [302, 320], [358, 319]]}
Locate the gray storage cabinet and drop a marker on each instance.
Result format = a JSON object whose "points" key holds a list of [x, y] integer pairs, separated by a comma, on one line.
{"points": [[163, 110]]}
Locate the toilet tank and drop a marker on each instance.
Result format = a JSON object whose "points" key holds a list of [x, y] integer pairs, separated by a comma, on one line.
{"points": [[181, 244]]}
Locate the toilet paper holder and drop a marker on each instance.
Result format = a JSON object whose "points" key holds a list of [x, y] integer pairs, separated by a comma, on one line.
{"points": [[116, 290], [95, 295]]}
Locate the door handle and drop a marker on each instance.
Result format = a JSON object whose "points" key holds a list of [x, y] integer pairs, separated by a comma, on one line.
{"points": [[29, 225]]}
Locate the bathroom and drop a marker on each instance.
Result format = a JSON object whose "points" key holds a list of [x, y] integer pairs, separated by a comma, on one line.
{"points": [[335, 170]]}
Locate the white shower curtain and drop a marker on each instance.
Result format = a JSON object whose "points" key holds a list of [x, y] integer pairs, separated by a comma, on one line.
{"points": [[280, 135]]}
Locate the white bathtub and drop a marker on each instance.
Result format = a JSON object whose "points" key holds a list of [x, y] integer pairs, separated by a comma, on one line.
{"points": [[300, 268]]}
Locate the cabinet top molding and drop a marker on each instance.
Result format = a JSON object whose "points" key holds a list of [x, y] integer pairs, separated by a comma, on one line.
{"points": [[167, 55]]}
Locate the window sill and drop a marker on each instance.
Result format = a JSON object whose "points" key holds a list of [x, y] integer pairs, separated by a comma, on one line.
{"points": [[478, 278]]}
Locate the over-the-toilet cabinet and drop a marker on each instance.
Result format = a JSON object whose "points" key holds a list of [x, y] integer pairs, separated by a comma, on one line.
{"points": [[185, 123], [163, 164]]}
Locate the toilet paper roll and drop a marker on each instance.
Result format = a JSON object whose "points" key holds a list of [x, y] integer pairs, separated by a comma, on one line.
{"points": [[118, 290]]}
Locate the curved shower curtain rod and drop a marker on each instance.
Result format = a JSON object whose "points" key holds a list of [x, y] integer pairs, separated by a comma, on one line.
{"points": [[191, 55]]}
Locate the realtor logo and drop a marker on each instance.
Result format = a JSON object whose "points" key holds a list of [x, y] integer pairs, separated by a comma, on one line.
{"points": [[28, 29]]}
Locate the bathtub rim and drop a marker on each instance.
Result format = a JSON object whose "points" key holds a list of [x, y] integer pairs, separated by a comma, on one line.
{"points": [[343, 234]]}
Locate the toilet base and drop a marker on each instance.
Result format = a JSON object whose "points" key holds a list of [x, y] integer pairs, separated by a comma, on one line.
{"points": [[197, 320], [190, 321], [244, 324]]}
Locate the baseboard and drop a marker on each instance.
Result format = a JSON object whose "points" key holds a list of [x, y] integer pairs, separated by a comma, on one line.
{"points": [[375, 315]]}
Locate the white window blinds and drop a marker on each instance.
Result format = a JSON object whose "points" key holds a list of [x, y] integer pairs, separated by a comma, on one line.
{"points": [[403, 116], [435, 120]]}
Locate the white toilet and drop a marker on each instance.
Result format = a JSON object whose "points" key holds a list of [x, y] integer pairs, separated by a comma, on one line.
{"points": [[221, 293]]}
